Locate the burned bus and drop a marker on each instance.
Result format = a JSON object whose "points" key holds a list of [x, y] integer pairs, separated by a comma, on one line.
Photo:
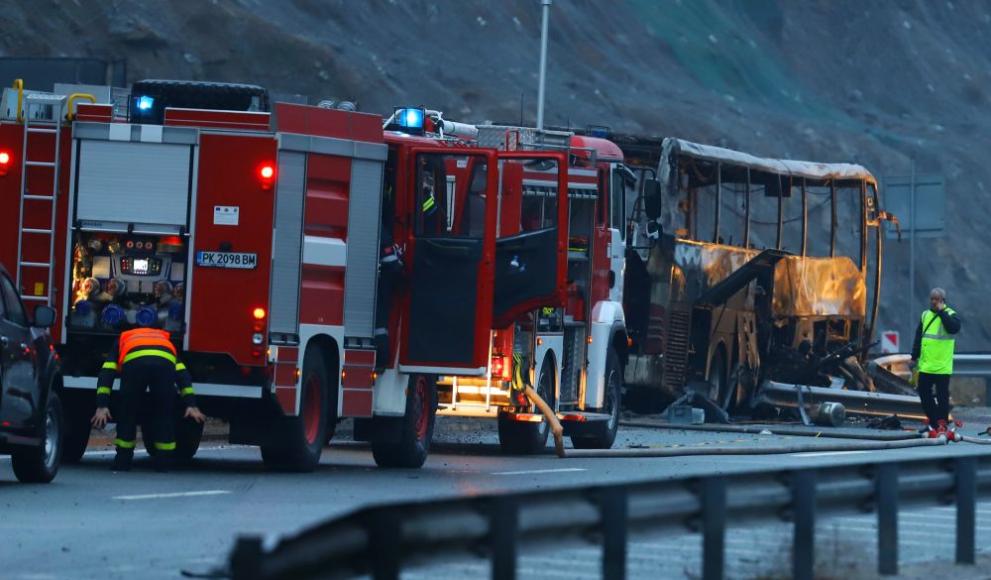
{"points": [[743, 271]]}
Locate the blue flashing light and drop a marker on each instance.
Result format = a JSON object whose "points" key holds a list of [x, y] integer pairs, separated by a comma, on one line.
{"points": [[410, 118], [413, 118], [145, 103]]}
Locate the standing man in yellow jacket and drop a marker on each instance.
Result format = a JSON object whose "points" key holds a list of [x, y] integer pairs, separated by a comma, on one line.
{"points": [[932, 353]]}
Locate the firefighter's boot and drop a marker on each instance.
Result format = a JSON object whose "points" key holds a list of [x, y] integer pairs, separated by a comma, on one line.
{"points": [[123, 460], [941, 429]]}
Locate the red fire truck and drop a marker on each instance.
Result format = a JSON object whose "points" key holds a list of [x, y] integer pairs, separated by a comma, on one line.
{"points": [[255, 234], [572, 350]]}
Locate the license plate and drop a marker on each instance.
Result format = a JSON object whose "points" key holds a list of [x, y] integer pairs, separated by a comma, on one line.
{"points": [[240, 260]]}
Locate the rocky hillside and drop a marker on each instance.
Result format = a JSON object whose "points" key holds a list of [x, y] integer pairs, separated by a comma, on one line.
{"points": [[880, 83]]}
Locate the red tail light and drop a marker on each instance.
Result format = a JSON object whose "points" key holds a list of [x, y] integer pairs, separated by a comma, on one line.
{"points": [[502, 368], [266, 174], [4, 162]]}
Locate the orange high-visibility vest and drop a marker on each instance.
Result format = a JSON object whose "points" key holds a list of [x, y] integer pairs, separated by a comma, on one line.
{"points": [[142, 338]]}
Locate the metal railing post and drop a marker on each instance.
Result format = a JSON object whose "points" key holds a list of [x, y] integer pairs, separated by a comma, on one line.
{"points": [[713, 528], [886, 493], [966, 472], [613, 507], [246, 558], [383, 530], [803, 499], [503, 528]]}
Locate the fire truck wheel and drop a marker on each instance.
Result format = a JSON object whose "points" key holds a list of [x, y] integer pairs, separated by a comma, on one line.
{"points": [[604, 433], [416, 427], [524, 437], [77, 430], [297, 442], [40, 464]]}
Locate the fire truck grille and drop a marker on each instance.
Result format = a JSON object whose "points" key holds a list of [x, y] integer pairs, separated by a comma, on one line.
{"points": [[571, 369]]}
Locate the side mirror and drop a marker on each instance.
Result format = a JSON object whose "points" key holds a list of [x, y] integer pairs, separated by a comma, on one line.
{"points": [[652, 198], [44, 317]]}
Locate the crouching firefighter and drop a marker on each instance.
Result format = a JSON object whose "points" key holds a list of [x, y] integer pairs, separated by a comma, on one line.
{"points": [[146, 360]]}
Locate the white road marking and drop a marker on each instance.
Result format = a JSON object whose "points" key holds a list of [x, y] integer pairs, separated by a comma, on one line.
{"points": [[171, 495], [537, 471], [825, 453]]}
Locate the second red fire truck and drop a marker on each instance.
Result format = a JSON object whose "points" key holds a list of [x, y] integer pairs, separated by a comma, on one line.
{"points": [[317, 263]]}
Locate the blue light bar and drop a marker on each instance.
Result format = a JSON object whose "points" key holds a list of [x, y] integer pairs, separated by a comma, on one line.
{"points": [[145, 103], [410, 118]]}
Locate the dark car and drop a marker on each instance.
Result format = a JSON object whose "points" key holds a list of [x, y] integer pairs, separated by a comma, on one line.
{"points": [[30, 378]]}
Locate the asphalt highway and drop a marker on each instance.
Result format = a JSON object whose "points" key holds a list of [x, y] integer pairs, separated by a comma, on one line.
{"points": [[92, 523]]}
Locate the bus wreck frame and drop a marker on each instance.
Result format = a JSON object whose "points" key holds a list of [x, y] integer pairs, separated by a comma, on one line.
{"points": [[722, 297]]}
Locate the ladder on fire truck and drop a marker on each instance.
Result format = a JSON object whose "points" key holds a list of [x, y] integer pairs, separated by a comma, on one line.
{"points": [[42, 125]]}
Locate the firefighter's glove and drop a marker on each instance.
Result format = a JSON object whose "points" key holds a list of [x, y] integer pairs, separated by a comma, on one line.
{"points": [[100, 418], [195, 414]]}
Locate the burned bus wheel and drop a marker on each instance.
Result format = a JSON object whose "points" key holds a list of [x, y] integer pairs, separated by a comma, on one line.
{"points": [[717, 378], [297, 442], [526, 437], [603, 433], [409, 446]]}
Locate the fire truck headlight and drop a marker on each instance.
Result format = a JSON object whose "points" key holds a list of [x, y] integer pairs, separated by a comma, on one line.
{"points": [[145, 103], [257, 338]]}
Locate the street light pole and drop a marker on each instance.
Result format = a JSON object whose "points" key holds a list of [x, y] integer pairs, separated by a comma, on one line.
{"points": [[546, 7]]}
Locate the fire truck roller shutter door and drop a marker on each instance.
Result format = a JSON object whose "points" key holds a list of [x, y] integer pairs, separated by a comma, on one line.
{"points": [[133, 182], [286, 249], [364, 221]]}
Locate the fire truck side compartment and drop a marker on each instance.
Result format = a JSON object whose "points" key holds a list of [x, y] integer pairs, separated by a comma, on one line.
{"points": [[287, 247], [364, 221], [222, 300]]}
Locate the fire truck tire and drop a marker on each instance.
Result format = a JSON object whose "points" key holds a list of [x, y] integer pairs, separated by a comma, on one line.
{"points": [[40, 464], [416, 427], [75, 439], [526, 438], [604, 433], [297, 442]]}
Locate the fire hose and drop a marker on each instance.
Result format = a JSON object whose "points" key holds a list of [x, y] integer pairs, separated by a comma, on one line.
{"points": [[558, 432]]}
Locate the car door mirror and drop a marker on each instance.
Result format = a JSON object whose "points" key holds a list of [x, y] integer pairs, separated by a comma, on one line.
{"points": [[652, 198], [44, 317]]}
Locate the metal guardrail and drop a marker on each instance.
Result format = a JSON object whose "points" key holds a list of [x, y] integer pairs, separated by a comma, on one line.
{"points": [[969, 364], [381, 540], [972, 365]]}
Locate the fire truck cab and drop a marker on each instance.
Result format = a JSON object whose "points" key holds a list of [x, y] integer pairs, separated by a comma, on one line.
{"points": [[569, 345]]}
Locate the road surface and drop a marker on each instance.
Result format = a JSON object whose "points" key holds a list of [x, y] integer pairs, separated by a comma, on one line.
{"points": [[92, 523]]}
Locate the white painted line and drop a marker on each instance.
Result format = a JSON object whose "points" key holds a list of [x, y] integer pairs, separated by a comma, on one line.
{"points": [[537, 471], [825, 453], [170, 495]]}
